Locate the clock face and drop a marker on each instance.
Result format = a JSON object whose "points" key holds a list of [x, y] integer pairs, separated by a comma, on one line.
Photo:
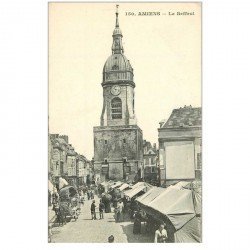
{"points": [[116, 90]]}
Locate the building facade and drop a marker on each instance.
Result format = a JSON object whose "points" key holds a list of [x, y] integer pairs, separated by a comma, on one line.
{"points": [[118, 141], [180, 145], [65, 162], [80, 167], [150, 166], [71, 174]]}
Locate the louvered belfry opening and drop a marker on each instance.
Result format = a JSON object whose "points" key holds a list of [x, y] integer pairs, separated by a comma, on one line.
{"points": [[116, 108]]}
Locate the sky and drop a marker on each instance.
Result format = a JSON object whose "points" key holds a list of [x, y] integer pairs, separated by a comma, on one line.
{"points": [[165, 52]]}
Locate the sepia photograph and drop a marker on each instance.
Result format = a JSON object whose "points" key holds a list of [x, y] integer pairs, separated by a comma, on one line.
{"points": [[125, 122], [120, 124]]}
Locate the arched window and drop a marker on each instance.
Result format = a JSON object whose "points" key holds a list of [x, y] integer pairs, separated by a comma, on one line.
{"points": [[116, 108]]}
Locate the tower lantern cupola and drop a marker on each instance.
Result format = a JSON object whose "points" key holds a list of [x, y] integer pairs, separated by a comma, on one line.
{"points": [[117, 47]]}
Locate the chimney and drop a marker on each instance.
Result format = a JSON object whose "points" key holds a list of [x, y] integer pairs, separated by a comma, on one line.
{"points": [[154, 146]]}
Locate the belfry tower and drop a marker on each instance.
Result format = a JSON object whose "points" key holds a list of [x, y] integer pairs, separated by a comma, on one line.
{"points": [[118, 141]]}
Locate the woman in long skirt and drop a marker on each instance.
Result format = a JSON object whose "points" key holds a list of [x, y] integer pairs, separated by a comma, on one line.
{"points": [[137, 223]]}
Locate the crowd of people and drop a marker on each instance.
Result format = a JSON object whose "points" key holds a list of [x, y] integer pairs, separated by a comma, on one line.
{"points": [[110, 201], [127, 209]]}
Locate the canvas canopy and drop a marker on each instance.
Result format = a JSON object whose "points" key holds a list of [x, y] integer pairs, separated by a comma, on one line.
{"points": [[182, 184], [190, 232], [137, 184], [195, 187], [137, 188], [150, 195], [116, 184], [177, 205], [132, 192], [62, 183], [50, 186], [105, 184], [67, 192], [123, 186]]}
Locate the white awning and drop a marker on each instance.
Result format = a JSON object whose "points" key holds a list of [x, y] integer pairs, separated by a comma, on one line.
{"points": [[123, 186], [50, 186], [62, 183], [132, 192], [117, 184]]}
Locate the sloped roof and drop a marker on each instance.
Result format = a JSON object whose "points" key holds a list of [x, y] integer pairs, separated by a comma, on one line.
{"points": [[149, 151], [58, 143], [184, 117], [61, 141]]}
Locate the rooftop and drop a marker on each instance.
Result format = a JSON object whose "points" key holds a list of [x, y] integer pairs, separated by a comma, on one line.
{"points": [[184, 117]]}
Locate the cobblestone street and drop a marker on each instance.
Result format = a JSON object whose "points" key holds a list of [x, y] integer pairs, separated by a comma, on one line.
{"points": [[85, 230]]}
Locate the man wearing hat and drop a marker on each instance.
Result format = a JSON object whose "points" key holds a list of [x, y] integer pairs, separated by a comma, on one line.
{"points": [[92, 209]]}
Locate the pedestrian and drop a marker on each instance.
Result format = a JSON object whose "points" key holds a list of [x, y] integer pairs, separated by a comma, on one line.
{"points": [[120, 211], [92, 209], [111, 239], [49, 233], [101, 209], [88, 194], [137, 223], [61, 216], [91, 194], [116, 214], [161, 234]]}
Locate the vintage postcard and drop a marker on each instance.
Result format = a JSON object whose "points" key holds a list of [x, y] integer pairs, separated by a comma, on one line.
{"points": [[125, 123]]}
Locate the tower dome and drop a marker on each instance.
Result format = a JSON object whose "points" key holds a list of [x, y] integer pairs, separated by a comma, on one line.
{"points": [[117, 67]]}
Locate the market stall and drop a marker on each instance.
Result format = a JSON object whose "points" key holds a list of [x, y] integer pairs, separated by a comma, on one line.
{"points": [[137, 188], [190, 232], [124, 186], [117, 184], [175, 206]]}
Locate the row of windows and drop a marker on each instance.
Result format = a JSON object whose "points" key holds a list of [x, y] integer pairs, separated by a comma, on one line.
{"points": [[119, 76]]}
